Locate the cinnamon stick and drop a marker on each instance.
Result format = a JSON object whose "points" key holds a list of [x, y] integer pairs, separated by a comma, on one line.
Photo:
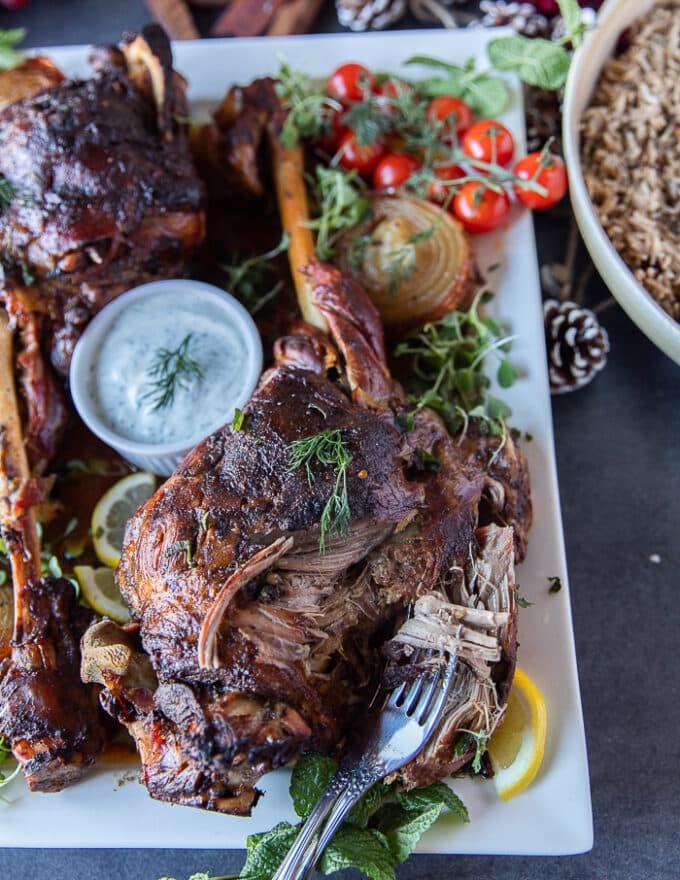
{"points": [[295, 17], [175, 17]]}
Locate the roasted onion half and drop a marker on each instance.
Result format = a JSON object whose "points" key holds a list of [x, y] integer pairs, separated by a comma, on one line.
{"points": [[413, 258]]}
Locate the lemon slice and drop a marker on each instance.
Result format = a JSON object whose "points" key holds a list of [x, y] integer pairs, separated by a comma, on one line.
{"points": [[114, 509], [517, 746], [99, 590]]}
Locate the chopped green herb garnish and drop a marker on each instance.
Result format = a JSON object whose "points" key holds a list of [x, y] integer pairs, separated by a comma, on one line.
{"points": [[7, 193], [9, 57], [182, 547], [555, 584], [340, 204], [238, 421], [171, 369], [521, 601]]}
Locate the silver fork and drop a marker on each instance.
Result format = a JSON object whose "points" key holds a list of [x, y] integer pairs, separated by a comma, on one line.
{"points": [[391, 738]]}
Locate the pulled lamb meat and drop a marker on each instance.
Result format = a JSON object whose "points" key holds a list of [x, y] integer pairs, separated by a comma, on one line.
{"points": [[104, 196], [255, 646]]}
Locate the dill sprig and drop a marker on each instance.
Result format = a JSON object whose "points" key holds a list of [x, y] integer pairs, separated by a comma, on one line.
{"points": [[327, 448], [309, 108], [7, 193], [170, 370], [448, 375], [340, 203], [250, 279]]}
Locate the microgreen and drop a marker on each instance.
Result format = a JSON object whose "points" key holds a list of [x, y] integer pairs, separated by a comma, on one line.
{"points": [[309, 108], [239, 420], [448, 375], [340, 204], [466, 738], [327, 448], [9, 57], [170, 370]]}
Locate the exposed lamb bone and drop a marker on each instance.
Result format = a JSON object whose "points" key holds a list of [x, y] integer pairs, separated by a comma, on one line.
{"points": [[259, 562], [51, 720]]}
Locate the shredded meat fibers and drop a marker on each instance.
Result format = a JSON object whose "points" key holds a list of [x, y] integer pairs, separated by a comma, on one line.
{"points": [[630, 155]]}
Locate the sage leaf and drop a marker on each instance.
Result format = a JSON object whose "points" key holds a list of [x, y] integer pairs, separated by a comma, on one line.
{"points": [[538, 62]]}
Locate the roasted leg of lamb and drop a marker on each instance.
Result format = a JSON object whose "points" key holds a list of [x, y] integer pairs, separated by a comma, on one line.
{"points": [[101, 195], [252, 646]]}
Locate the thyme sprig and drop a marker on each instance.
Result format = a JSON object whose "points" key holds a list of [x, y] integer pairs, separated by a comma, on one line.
{"points": [[326, 448], [340, 204], [170, 370], [448, 375]]}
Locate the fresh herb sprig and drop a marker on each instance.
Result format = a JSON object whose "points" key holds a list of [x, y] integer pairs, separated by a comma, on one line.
{"points": [[380, 832], [9, 57], [170, 370], [7, 193], [483, 92], [250, 279], [340, 204], [309, 108], [448, 375], [6, 756], [537, 61], [326, 448]]}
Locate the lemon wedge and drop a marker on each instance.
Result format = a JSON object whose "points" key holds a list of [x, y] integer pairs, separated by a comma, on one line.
{"points": [[516, 748], [114, 509], [100, 591]]}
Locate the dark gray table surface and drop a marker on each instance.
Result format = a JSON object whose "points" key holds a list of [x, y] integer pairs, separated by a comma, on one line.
{"points": [[617, 451]]}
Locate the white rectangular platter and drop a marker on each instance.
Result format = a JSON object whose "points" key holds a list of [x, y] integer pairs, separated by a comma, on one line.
{"points": [[111, 809]]}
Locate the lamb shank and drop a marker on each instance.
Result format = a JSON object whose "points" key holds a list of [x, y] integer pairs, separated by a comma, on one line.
{"points": [[252, 646], [101, 195]]}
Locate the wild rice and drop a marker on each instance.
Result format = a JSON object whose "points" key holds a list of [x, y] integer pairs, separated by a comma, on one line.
{"points": [[630, 152]]}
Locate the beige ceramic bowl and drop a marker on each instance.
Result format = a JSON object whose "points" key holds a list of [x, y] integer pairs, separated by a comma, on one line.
{"points": [[598, 46]]}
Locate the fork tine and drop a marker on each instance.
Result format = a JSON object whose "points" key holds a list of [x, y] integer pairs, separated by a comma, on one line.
{"points": [[430, 688], [394, 698], [433, 711]]}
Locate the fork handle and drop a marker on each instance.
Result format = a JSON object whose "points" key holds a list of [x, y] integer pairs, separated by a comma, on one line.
{"points": [[344, 790]]}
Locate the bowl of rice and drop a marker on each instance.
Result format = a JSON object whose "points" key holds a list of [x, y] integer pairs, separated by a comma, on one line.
{"points": [[621, 132]]}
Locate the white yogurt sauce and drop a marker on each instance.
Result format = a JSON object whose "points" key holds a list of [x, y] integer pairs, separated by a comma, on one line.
{"points": [[121, 385]]}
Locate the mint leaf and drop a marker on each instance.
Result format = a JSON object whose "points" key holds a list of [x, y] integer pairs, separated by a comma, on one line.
{"points": [[309, 779], [437, 793], [403, 837], [538, 62], [266, 851], [9, 57], [573, 26], [366, 850], [367, 805], [486, 94]]}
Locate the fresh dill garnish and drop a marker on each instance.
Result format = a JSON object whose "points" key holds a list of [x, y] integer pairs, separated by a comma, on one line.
{"points": [[340, 204], [448, 359], [172, 368], [9, 57], [7, 193], [327, 448], [250, 279], [309, 108]]}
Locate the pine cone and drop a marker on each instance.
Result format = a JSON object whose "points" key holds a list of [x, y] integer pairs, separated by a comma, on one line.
{"points": [[523, 17], [363, 15], [577, 345]]}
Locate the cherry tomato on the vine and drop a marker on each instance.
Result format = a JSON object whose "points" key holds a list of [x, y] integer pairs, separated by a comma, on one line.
{"points": [[452, 111], [479, 208], [440, 189], [350, 83], [545, 169], [393, 91], [489, 141], [394, 169], [363, 158]]}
